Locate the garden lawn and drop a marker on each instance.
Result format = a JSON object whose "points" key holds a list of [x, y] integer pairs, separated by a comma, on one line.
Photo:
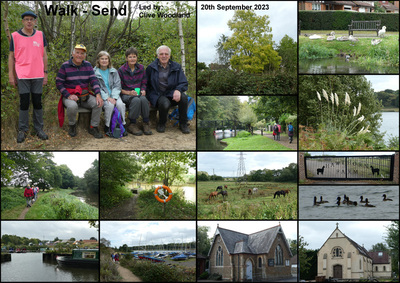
{"points": [[254, 142], [385, 53]]}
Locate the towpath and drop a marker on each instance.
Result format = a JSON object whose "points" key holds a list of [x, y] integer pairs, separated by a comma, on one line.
{"points": [[284, 140], [125, 210], [127, 275], [26, 209]]}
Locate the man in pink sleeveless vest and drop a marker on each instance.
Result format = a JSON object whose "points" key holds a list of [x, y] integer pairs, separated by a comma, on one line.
{"points": [[27, 69]]}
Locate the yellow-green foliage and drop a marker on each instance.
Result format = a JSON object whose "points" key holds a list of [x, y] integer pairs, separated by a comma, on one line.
{"points": [[251, 43]]}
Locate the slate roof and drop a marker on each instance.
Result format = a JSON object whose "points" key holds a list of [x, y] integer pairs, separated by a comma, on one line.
{"points": [[256, 243], [360, 249], [389, 6], [376, 259], [349, 3], [363, 4]]}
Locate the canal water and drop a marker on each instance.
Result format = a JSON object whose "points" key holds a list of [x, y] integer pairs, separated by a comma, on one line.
{"points": [[209, 142], [92, 199], [189, 189], [390, 125], [330, 210], [338, 65], [30, 267]]}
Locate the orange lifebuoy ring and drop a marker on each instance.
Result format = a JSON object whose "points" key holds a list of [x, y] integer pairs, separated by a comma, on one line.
{"points": [[163, 200]]}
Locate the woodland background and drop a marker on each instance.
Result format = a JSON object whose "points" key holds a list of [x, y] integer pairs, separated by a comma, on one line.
{"points": [[111, 33]]}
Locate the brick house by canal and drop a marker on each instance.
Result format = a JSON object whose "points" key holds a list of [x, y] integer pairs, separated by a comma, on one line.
{"points": [[261, 256]]}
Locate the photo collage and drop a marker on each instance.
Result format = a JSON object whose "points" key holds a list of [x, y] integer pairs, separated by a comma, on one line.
{"points": [[200, 141]]}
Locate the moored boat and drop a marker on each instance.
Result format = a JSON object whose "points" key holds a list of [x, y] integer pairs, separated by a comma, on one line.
{"points": [[180, 257], [80, 257]]}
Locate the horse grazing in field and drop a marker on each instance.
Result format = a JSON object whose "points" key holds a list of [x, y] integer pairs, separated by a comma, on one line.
{"points": [[223, 193], [213, 195], [279, 193], [220, 187], [249, 192], [286, 192], [255, 190]]}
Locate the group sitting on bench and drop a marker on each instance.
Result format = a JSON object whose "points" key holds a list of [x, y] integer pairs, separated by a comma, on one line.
{"points": [[161, 85]]}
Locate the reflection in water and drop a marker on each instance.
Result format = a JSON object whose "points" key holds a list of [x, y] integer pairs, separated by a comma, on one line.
{"points": [[209, 142], [338, 65], [31, 267]]}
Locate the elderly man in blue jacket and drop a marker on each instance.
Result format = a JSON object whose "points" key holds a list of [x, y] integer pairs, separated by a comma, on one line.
{"points": [[166, 84]]}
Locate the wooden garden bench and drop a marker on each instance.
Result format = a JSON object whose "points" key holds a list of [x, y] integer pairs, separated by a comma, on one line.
{"points": [[364, 25]]}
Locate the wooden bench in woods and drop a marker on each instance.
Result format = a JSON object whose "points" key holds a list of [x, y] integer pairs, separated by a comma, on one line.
{"points": [[364, 25], [84, 115]]}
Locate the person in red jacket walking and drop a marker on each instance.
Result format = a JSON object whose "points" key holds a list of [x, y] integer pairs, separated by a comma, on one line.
{"points": [[28, 194]]}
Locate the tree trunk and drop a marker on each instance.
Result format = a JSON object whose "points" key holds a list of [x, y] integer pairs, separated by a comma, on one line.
{"points": [[6, 22], [181, 39], [72, 40]]}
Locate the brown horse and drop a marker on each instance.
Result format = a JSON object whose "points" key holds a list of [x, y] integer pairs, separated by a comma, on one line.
{"points": [[213, 195], [286, 192], [249, 192]]}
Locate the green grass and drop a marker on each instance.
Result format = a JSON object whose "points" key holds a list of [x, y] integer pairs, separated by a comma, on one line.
{"points": [[11, 198], [254, 142], [58, 204], [363, 52], [176, 208], [239, 205], [159, 272]]}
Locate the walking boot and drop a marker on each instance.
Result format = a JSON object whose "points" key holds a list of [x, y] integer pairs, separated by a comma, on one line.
{"points": [[94, 131], [21, 136], [134, 129], [184, 128], [146, 129], [72, 130]]}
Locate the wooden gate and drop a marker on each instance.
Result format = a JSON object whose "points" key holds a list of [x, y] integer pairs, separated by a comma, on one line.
{"points": [[374, 167]]}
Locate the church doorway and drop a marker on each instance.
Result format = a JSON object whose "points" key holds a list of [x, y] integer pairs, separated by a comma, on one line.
{"points": [[337, 271], [249, 270]]}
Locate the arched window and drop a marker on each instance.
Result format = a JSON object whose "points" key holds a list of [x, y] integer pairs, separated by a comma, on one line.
{"points": [[259, 262], [337, 252], [376, 268], [219, 257], [278, 255], [384, 268]]}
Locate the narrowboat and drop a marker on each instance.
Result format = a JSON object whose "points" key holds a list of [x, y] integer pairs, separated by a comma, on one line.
{"points": [[81, 258]]}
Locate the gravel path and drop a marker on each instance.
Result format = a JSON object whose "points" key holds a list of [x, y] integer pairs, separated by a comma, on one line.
{"points": [[127, 275]]}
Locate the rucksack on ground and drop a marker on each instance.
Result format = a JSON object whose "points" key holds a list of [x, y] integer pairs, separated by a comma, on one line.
{"points": [[190, 111], [116, 127]]}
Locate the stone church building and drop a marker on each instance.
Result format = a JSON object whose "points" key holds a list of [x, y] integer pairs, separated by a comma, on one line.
{"points": [[341, 257], [261, 256]]}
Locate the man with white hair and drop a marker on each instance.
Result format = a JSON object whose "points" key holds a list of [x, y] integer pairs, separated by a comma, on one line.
{"points": [[166, 84]]}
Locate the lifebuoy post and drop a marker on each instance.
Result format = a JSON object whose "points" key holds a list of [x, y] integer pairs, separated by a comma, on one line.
{"points": [[163, 201]]}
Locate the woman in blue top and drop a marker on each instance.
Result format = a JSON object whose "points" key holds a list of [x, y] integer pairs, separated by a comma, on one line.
{"points": [[110, 89]]}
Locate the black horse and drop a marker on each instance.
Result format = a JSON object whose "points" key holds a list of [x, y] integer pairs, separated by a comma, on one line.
{"points": [[279, 193], [223, 193], [221, 188]]}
